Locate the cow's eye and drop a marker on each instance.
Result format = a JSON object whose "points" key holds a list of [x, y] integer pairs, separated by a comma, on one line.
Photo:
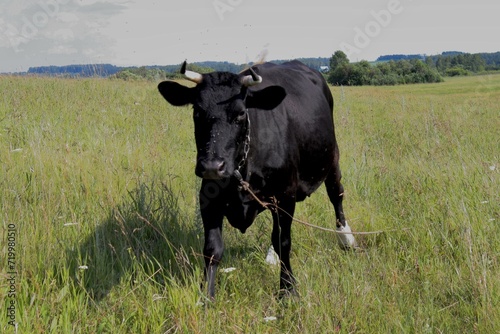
{"points": [[241, 116]]}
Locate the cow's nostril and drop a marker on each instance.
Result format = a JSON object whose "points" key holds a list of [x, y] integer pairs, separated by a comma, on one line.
{"points": [[211, 169]]}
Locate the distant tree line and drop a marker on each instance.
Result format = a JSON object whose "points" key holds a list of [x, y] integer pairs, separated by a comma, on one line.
{"points": [[388, 70], [456, 63], [89, 70], [315, 63], [140, 73], [156, 73], [401, 69], [342, 72], [400, 57], [492, 61]]}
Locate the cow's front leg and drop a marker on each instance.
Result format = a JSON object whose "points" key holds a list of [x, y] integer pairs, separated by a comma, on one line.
{"points": [[282, 243], [212, 251], [211, 214]]}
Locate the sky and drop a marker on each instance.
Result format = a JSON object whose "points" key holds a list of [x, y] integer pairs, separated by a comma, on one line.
{"points": [[161, 32]]}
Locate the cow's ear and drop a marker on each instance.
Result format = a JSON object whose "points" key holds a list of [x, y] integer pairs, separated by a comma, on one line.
{"points": [[267, 98], [176, 94]]}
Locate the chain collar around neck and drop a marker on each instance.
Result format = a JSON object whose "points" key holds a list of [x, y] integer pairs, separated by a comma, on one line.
{"points": [[246, 149]]}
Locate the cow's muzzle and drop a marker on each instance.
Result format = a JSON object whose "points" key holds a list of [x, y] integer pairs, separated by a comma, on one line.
{"points": [[212, 169]]}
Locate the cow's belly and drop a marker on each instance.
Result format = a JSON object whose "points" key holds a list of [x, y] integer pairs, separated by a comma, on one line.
{"points": [[313, 174], [305, 189]]}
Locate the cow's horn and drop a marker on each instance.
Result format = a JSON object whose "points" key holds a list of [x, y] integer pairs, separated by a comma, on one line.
{"points": [[252, 79], [190, 75]]}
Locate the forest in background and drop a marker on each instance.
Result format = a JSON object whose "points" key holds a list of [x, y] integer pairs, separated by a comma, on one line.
{"points": [[386, 70]]}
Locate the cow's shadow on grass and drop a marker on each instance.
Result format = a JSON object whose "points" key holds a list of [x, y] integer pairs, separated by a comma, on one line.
{"points": [[145, 235]]}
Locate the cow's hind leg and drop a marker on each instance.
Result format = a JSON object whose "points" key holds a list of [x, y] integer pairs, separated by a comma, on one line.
{"points": [[282, 243], [336, 194]]}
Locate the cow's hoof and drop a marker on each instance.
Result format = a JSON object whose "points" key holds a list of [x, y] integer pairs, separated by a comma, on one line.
{"points": [[346, 240], [272, 257]]}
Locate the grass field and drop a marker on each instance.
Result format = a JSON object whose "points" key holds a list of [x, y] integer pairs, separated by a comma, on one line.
{"points": [[98, 204]]}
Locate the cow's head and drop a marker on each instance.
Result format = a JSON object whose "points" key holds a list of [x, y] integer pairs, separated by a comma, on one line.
{"points": [[221, 103]]}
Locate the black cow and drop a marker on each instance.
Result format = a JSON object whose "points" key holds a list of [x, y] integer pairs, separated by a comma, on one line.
{"points": [[270, 126]]}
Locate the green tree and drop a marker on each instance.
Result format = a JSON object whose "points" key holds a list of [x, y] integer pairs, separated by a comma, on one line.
{"points": [[478, 64], [456, 70], [360, 74], [340, 75], [405, 71], [429, 62], [339, 58]]}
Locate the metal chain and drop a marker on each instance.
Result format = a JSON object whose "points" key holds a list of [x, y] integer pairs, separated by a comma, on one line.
{"points": [[246, 145]]}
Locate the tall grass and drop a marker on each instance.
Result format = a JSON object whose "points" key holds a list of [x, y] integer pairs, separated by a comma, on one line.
{"points": [[97, 175]]}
